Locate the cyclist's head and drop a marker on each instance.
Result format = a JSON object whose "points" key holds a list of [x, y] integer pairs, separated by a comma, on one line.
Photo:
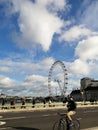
{"points": [[70, 98]]}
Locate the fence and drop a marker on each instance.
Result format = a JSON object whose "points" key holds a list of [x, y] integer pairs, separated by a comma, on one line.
{"points": [[41, 105]]}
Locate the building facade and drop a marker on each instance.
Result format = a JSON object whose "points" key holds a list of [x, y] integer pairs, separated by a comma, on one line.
{"points": [[89, 89], [76, 94]]}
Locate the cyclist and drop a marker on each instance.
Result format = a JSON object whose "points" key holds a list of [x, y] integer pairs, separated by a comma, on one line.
{"points": [[71, 106]]}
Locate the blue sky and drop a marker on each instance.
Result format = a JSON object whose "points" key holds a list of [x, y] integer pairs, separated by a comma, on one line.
{"points": [[36, 33]]}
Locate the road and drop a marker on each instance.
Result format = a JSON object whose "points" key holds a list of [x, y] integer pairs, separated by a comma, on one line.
{"points": [[44, 120]]}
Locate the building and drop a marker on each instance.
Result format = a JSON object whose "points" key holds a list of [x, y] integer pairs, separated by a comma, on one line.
{"points": [[89, 89], [76, 94]]}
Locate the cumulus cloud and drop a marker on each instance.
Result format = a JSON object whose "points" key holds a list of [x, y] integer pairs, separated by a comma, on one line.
{"points": [[31, 75], [46, 63], [25, 67], [75, 33], [86, 60], [53, 5], [35, 78], [89, 15], [74, 84], [88, 49], [5, 69], [6, 82], [37, 22], [79, 67]]}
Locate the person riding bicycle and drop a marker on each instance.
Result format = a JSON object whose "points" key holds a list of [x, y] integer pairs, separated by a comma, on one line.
{"points": [[71, 107]]}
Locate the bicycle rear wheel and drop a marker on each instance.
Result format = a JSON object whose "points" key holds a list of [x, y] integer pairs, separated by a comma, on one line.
{"points": [[76, 125], [60, 125]]}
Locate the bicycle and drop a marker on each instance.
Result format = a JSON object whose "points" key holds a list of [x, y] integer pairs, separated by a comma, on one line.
{"points": [[63, 123]]}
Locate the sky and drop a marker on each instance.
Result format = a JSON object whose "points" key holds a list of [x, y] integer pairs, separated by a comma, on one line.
{"points": [[34, 34]]}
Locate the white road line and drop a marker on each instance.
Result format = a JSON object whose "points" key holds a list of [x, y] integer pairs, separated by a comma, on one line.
{"points": [[90, 111], [46, 115], [49, 115], [7, 128], [13, 118]]}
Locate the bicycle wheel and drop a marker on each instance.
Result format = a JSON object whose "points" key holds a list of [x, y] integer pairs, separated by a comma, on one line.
{"points": [[76, 125], [60, 125]]}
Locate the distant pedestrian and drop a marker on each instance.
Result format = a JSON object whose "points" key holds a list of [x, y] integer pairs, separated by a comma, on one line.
{"points": [[3, 103], [33, 103], [3, 107], [44, 102], [23, 103], [12, 103], [50, 103]]}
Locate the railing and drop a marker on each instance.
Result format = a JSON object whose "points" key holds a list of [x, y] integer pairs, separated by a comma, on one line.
{"points": [[41, 105]]}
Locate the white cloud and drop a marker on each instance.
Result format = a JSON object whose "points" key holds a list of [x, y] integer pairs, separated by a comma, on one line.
{"points": [[74, 84], [88, 49], [75, 33], [79, 67], [89, 15], [46, 63], [86, 60], [25, 67], [31, 76], [5, 69], [37, 23], [36, 79], [6, 82], [53, 5]]}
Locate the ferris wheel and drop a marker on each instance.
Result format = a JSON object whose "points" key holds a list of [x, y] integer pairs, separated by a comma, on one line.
{"points": [[65, 78]]}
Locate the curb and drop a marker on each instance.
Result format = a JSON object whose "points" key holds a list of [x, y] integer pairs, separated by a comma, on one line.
{"points": [[93, 128]]}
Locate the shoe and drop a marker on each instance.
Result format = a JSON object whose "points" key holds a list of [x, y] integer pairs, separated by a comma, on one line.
{"points": [[2, 123]]}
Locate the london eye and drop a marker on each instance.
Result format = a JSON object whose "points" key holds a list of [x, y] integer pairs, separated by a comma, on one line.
{"points": [[64, 81]]}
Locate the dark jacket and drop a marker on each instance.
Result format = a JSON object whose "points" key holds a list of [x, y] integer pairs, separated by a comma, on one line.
{"points": [[71, 105]]}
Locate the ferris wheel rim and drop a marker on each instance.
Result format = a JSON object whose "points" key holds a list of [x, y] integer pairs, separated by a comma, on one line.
{"points": [[50, 74]]}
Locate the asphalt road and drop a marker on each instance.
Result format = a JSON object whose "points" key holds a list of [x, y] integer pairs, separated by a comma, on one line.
{"points": [[44, 120]]}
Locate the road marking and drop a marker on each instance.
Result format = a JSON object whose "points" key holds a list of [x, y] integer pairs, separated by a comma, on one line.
{"points": [[90, 111], [5, 128], [46, 115], [49, 114], [93, 128], [13, 118]]}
